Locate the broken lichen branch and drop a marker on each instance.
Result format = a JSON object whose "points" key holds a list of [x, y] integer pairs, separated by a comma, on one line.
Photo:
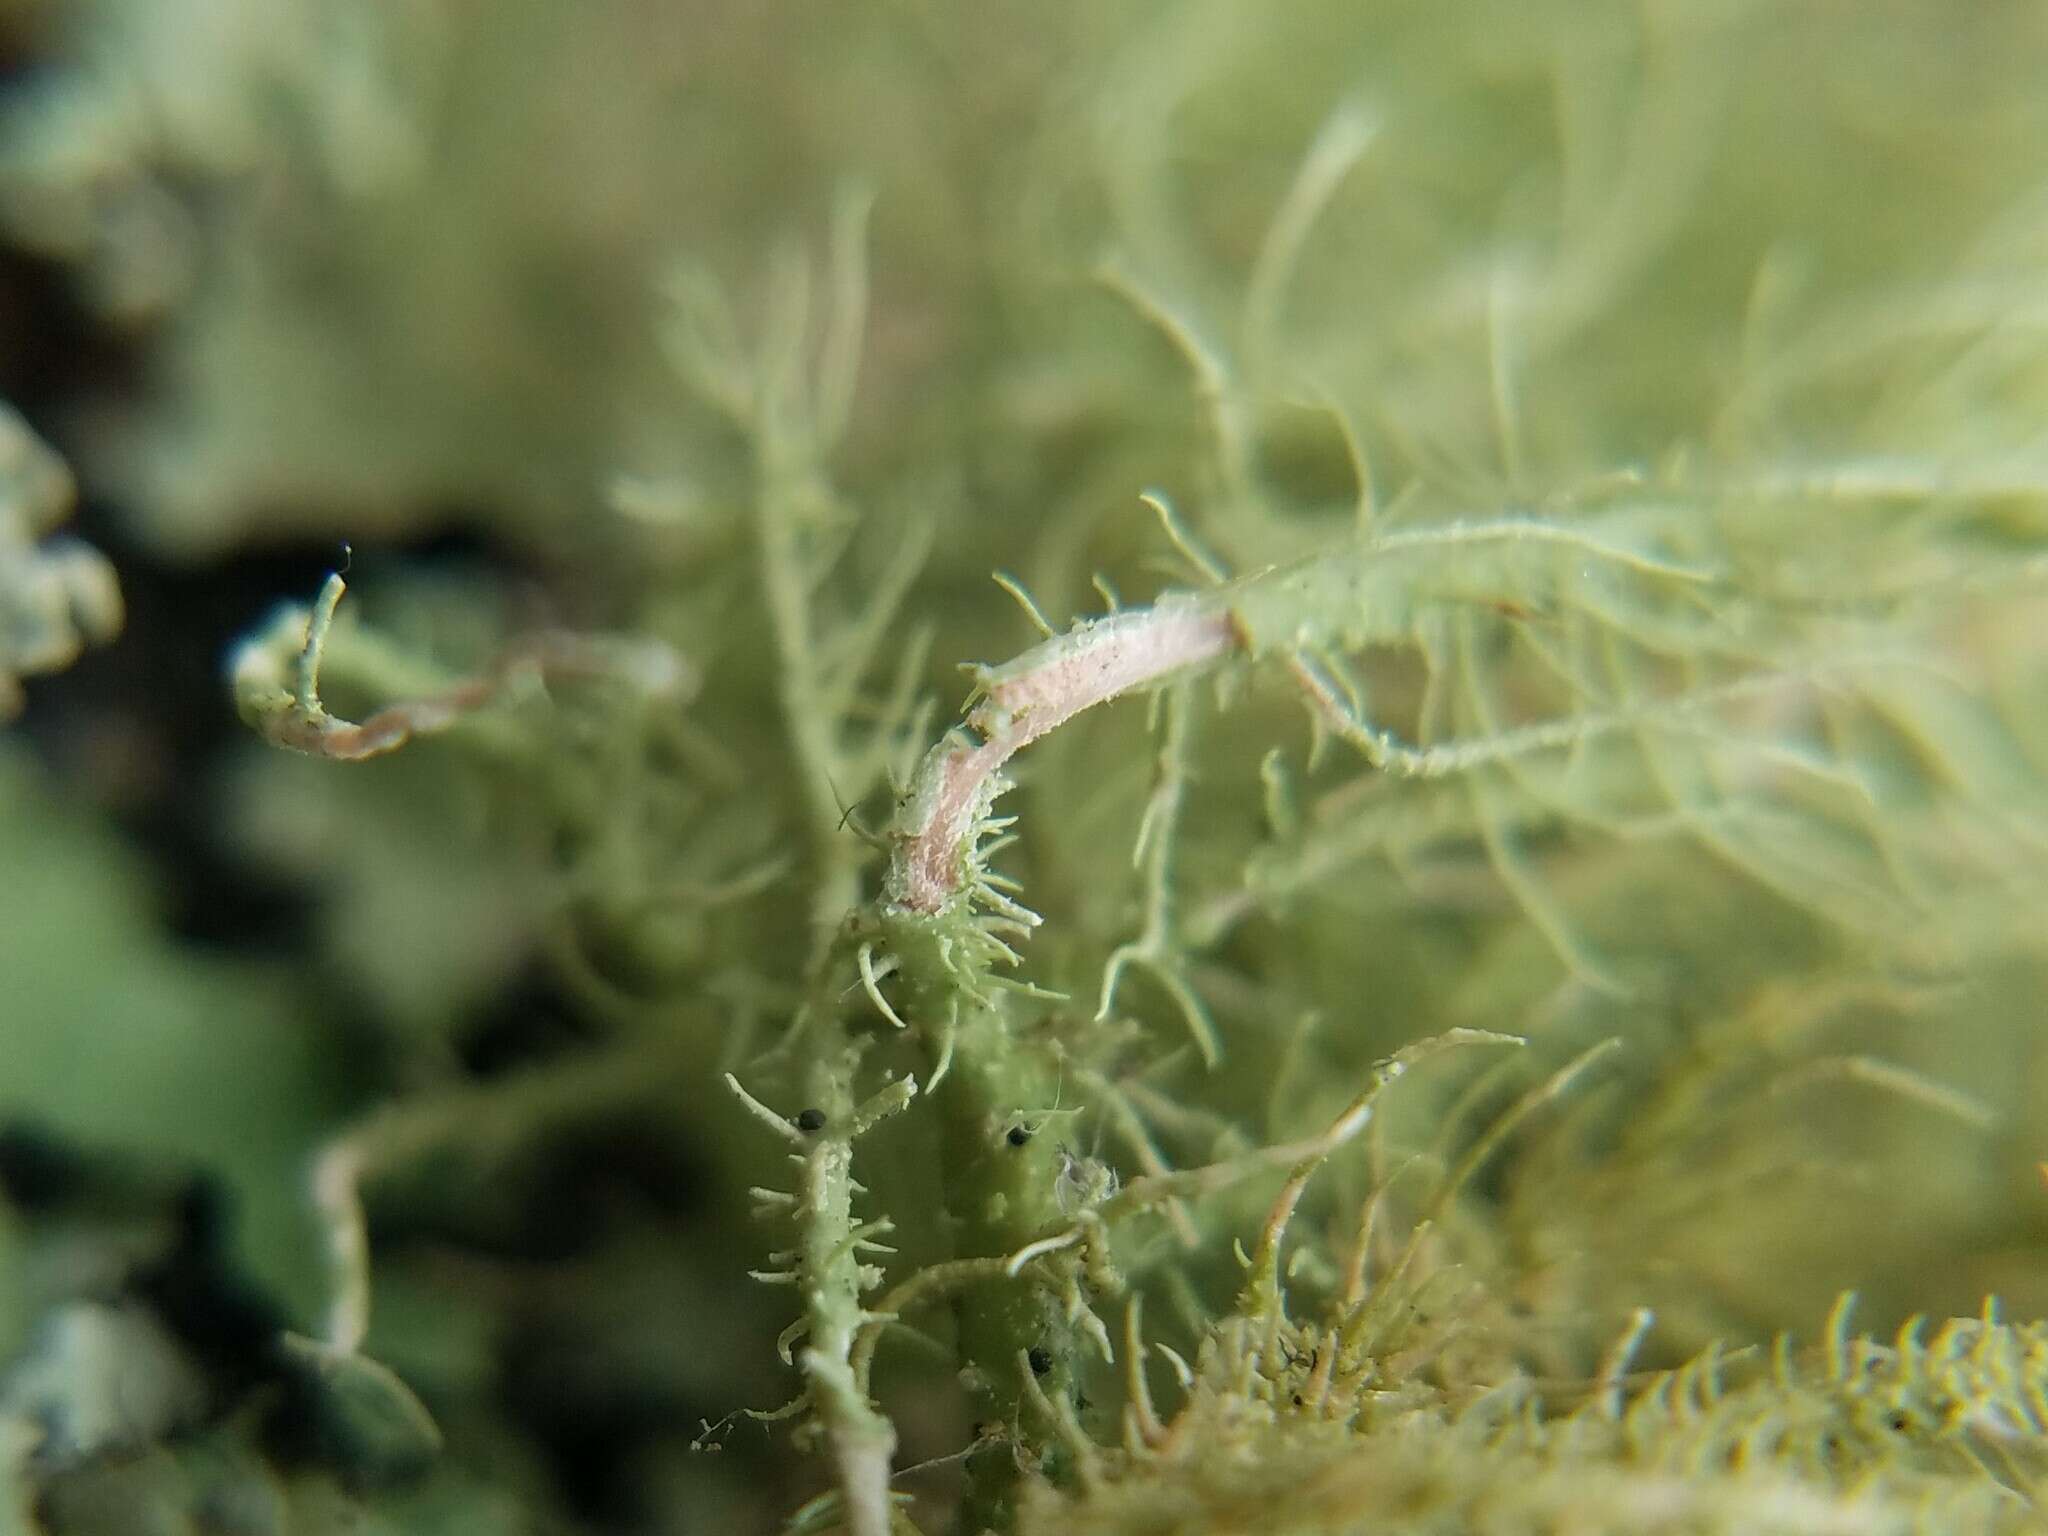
{"points": [[275, 675], [289, 714]]}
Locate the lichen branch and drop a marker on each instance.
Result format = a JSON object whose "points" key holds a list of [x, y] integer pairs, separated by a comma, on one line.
{"points": [[275, 676]]}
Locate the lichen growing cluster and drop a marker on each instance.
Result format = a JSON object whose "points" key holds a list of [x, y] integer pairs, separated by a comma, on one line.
{"points": [[1472, 962]]}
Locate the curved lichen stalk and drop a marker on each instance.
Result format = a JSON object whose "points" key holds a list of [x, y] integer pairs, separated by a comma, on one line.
{"points": [[1360, 592], [1022, 701], [275, 677]]}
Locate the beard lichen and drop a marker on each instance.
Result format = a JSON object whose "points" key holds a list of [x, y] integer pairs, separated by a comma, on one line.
{"points": [[1407, 1022]]}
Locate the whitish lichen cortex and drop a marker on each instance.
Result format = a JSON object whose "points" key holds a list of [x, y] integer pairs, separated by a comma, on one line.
{"points": [[57, 595], [1021, 701]]}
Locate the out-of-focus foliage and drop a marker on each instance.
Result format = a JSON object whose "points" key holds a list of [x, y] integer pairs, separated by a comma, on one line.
{"points": [[125, 1052], [57, 595], [402, 259], [1593, 595]]}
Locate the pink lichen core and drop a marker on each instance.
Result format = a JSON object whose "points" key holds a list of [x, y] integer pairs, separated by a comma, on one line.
{"points": [[1039, 691]]}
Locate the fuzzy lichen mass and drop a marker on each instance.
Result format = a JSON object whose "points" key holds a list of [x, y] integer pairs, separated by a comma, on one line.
{"points": [[1417, 1019]]}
